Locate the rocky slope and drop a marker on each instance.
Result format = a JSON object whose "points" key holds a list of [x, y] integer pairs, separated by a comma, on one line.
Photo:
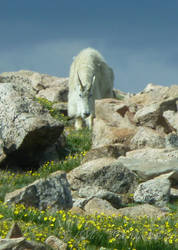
{"points": [[134, 155]]}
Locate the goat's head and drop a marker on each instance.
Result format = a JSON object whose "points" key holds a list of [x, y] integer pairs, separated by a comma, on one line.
{"points": [[86, 99]]}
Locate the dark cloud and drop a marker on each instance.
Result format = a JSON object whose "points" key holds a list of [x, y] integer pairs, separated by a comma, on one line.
{"points": [[138, 38]]}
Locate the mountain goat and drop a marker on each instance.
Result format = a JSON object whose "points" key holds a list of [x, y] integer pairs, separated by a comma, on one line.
{"points": [[90, 78]]}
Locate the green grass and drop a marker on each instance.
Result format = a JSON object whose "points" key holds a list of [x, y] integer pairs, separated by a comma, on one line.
{"points": [[173, 206], [77, 143], [79, 231], [92, 231]]}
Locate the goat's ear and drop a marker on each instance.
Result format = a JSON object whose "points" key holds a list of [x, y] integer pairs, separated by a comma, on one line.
{"points": [[81, 85]]}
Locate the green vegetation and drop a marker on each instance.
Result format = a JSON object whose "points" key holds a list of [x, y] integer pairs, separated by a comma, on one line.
{"points": [[54, 113], [92, 232], [78, 141], [82, 231]]}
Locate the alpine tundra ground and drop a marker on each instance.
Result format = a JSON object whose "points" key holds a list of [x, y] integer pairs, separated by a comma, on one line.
{"points": [[82, 231]]}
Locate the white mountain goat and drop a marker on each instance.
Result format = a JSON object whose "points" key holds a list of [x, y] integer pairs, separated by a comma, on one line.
{"points": [[90, 78]]}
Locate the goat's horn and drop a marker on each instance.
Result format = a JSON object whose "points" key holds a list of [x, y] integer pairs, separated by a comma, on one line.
{"points": [[93, 80], [82, 87]]}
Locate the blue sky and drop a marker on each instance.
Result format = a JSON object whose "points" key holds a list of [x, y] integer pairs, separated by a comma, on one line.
{"points": [[138, 38]]}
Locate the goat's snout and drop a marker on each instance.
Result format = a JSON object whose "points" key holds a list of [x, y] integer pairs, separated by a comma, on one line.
{"points": [[86, 114]]}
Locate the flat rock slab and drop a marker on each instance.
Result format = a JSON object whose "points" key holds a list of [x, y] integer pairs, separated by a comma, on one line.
{"points": [[142, 210], [98, 206], [149, 162]]}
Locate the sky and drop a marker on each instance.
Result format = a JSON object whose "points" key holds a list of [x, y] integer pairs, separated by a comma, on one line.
{"points": [[137, 38]]}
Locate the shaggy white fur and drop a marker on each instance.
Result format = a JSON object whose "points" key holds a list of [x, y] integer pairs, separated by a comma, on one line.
{"points": [[90, 78]]}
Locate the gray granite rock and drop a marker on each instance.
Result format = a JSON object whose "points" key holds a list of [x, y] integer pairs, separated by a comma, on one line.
{"points": [[52, 192], [155, 191], [27, 129], [105, 173]]}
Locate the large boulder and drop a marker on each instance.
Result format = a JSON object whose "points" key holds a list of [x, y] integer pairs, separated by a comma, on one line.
{"points": [[105, 173], [155, 191], [9, 77], [122, 120], [55, 94], [53, 88], [111, 134], [147, 137], [155, 94], [26, 128], [52, 192], [114, 120], [152, 103]]}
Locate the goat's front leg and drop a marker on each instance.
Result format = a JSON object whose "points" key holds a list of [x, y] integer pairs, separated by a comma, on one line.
{"points": [[78, 123], [89, 121]]}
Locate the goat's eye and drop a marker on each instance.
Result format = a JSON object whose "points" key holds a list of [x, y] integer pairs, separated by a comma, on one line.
{"points": [[80, 95]]}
